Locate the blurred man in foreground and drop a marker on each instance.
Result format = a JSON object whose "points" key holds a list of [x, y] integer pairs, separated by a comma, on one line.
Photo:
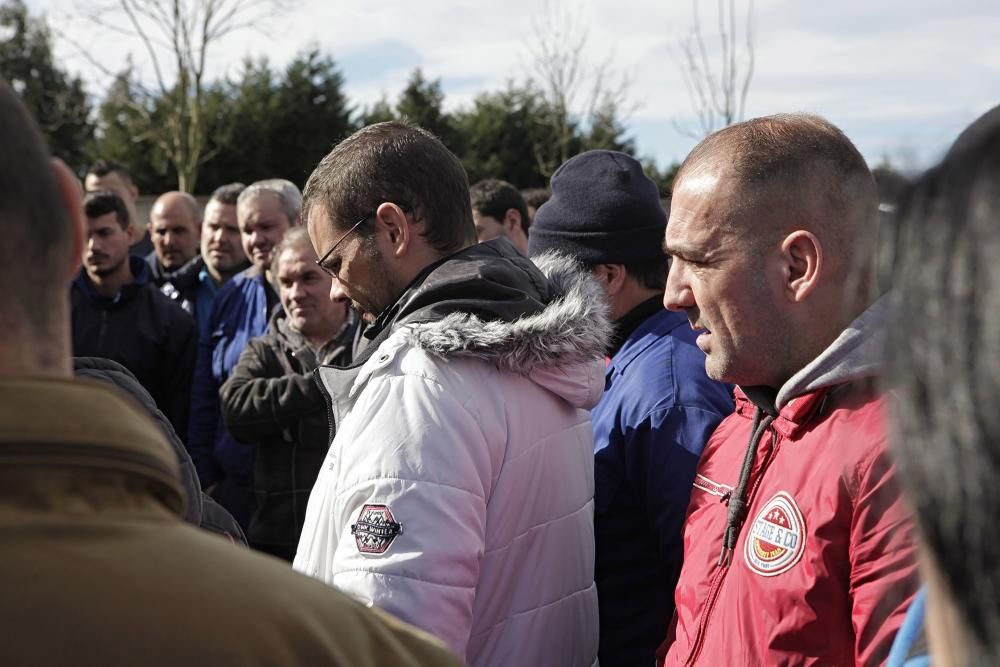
{"points": [[97, 566]]}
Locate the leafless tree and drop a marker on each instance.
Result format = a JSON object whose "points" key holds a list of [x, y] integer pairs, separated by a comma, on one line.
{"points": [[717, 79], [573, 90], [177, 36]]}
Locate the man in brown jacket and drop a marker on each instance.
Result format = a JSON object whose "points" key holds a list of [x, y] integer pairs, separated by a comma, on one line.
{"points": [[95, 564]]}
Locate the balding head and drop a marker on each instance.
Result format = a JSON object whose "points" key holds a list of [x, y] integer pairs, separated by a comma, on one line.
{"points": [[796, 171], [42, 241], [773, 227], [175, 222]]}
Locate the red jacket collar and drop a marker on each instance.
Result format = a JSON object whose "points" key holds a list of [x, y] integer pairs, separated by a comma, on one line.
{"points": [[793, 418]]}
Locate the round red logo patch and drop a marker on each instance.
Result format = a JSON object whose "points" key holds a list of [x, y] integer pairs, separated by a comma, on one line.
{"points": [[777, 537]]}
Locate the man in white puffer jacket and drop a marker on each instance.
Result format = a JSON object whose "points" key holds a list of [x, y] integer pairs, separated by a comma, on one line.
{"points": [[458, 491]]}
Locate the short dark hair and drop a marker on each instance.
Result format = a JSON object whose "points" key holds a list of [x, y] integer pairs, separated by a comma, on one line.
{"points": [[228, 194], [650, 273], [102, 202], [399, 163], [944, 364], [493, 197], [102, 168], [37, 232], [535, 197]]}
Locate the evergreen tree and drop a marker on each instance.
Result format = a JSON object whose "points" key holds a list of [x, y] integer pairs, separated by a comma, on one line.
{"points": [[56, 100], [312, 115]]}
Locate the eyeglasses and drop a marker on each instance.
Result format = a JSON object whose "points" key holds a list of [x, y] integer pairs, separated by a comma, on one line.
{"points": [[321, 260]]}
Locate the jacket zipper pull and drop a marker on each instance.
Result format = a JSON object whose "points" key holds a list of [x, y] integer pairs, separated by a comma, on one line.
{"points": [[725, 498]]}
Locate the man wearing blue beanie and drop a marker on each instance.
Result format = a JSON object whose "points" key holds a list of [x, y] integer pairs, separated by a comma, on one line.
{"points": [[659, 407]]}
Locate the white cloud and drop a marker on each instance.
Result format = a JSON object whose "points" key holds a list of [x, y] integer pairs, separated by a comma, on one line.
{"points": [[896, 73]]}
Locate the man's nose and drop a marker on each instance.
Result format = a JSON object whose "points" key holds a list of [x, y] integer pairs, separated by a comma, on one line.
{"points": [[678, 294], [337, 292]]}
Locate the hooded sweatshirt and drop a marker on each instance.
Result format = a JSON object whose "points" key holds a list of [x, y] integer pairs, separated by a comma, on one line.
{"points": [[458, 491], [798, 549]]}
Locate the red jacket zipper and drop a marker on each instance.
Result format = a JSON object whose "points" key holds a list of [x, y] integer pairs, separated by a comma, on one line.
{"points": [[713, 592]]}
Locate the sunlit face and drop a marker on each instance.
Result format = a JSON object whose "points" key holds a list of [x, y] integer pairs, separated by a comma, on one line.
{"points": [[175, 234], [263, 224], [357, 267], [107, 245], [305, 293], [221, 245], [487, 227], [721, 283]]}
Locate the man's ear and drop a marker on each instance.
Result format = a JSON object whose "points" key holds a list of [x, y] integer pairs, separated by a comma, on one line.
{"points": [[511, 220], [395, 226], [71, 196], [612, 277], [802, 263], [131, 231], [134, 191]]}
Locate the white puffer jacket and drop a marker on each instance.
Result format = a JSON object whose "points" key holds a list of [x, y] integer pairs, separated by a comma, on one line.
{"points": [[458, 492]]}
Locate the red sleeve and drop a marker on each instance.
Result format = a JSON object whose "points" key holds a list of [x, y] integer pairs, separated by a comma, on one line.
{"points": [[883, 558]]}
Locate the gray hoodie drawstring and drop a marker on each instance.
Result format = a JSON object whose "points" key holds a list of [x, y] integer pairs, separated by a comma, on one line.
{"points": [[737, 499]]}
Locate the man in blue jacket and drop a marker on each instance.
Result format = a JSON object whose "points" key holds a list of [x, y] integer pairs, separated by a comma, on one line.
{"points": [[658, 408], [240, 311]]}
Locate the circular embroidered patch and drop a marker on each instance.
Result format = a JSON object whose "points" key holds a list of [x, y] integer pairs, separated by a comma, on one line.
{"points": [[777, 537]]}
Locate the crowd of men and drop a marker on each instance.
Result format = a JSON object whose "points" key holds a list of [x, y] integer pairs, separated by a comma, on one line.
{"points": [[578, 427]]}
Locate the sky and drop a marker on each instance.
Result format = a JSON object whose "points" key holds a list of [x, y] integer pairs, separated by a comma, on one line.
{"points": [[902, 79]]}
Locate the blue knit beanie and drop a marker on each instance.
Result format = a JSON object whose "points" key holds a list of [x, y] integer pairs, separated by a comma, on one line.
{"points": [[603, 210]]}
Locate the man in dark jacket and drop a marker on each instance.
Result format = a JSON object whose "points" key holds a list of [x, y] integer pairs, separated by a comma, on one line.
{"points": [[175, 222], [659, 407], [118, 314], [272, 400], [240, 311]]}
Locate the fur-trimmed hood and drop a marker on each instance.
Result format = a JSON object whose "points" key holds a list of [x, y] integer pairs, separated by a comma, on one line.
{"points": [[572, 327], [549, 320]]}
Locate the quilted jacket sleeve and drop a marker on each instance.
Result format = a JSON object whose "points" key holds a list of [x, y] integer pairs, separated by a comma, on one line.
{"points": [[424, 466], [883, 559]]}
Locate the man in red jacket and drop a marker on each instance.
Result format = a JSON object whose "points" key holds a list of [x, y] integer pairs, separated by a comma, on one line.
{"points": [[797, 547]]}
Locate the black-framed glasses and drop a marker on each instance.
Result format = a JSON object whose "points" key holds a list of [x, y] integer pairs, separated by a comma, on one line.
{"points": [[319, 262]]}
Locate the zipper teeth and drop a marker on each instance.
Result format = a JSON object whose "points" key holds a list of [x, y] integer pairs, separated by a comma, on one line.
{"points": [[329, 405], [713, 596]]}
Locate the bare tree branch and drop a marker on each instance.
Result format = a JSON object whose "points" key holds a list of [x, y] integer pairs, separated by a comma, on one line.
{"points": [[181, 32], [575, 93], [717, 101]]}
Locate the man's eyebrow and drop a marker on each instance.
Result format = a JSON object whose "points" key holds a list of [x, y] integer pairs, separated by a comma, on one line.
{"points": [[684, 252]]}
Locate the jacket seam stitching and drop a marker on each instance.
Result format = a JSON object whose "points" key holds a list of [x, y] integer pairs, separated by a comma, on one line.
{"points": [[563, 598], [358, 483], [538, 525], [378, 573]]}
